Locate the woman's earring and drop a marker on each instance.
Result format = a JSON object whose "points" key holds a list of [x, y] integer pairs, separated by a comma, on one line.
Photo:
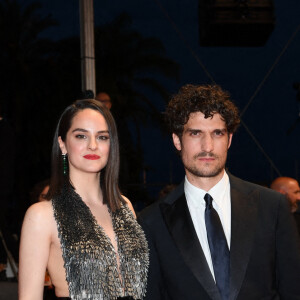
{"points": [[65, 163]]}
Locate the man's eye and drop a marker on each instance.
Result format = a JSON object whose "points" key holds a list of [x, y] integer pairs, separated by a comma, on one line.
{"points": [[194, 133], [219, 132]]}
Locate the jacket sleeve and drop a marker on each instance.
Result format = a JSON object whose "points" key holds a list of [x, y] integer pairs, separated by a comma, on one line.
{"points": [[155, 284], [287, 253]]}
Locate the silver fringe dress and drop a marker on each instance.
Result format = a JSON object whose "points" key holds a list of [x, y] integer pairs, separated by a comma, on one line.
{"points": [[90, 259]]}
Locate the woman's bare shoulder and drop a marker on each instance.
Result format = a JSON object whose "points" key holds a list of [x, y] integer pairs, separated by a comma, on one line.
{"points": [[129, 205], [40, 209], [40, 213]]}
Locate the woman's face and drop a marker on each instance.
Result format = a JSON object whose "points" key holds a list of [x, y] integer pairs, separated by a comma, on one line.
{"points": [[87, 142]]}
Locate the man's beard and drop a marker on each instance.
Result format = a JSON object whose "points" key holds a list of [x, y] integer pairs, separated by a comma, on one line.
{"points": [[196, 171], [294, 206]]}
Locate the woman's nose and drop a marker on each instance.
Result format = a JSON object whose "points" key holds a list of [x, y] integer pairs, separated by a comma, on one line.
{"points": [[92, 144]]}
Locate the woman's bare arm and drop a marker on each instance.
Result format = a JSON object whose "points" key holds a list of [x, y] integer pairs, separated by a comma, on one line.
{"points": [[34, 250]]}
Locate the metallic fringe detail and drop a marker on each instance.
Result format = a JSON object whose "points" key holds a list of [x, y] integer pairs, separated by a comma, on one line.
{"points": [[89, 257]]}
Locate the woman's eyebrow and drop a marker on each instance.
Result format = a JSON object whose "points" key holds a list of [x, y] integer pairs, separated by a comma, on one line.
{"points": [[84, 130]]}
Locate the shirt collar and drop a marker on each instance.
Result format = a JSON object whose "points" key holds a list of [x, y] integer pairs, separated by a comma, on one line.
{"points": [[217, 192]]}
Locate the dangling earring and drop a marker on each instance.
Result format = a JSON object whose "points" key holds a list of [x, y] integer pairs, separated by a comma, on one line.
{"points": [[65, 163]]}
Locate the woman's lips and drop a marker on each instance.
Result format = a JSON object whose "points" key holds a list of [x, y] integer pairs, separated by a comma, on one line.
{"points": [[92, 156]]}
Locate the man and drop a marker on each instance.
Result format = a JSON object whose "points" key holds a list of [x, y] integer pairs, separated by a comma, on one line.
{"points": [[290, 188], [297, 217], [216, 236], [104, 98]]}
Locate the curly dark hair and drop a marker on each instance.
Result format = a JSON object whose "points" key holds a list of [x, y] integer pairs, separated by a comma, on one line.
{"points": [[208, 99]]}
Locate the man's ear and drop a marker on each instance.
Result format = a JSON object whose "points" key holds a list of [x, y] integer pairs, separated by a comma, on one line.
{"points": [[62, 145], [282, 191], [176, 141], [229, 140]]}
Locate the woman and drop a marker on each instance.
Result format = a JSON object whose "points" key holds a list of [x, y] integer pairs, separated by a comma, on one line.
{"points": [[38, 194], [86, 235]]}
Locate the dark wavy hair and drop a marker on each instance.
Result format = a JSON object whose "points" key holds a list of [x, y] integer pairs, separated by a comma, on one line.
{"points": [[109, 175], [208, 99]]}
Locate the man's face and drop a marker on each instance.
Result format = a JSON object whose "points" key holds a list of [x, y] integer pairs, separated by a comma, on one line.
{"points": [[292, 192], [203, 145], [104, 99]]}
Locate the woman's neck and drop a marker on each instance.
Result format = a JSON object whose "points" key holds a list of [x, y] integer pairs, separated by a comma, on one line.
{"points": [[88, 187]]}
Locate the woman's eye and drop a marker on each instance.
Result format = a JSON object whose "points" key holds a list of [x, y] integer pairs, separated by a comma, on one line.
{"points": [[80, 136], [103, 137]]}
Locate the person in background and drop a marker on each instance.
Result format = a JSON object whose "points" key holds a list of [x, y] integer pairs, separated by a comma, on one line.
{"points": [[290, 188], [86, 235], [39, 191], [297, 217], [216, 236], [167, 189], [105, 99]]}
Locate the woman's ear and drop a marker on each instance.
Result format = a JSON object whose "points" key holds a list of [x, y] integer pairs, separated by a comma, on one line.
{"points": [[62, 146]]}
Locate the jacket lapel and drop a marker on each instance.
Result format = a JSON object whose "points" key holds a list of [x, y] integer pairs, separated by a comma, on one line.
{"points": [[181, 228], [243, 220]]}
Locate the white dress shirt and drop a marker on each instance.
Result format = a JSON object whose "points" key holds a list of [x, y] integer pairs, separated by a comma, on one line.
{"points": [[221, 203]]}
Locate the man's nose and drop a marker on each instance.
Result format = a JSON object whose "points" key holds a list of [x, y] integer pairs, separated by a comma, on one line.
{"points": [[207, 144]]}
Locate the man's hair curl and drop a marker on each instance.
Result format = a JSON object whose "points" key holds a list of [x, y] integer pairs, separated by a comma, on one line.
{"points": [[207, 99]]}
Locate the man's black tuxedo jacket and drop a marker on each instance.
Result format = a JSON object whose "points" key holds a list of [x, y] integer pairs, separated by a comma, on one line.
{"points": [[264, 248]]}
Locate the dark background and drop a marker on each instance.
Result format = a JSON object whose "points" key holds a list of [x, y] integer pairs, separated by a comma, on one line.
{"points": [[142, 57]]}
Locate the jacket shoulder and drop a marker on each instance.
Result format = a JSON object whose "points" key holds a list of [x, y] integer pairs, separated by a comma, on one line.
{"points": [[152, 212], [249, 188]]}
